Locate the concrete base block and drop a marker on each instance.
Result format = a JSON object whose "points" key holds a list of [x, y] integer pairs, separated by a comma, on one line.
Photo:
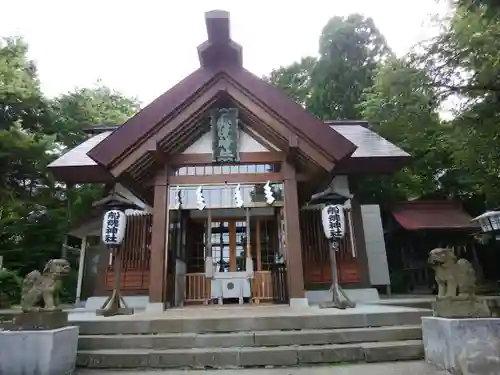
{"points": [[134, 302], [155, 307], [299, 302], [462, 346], [365, 295], [49, 352], [114, 312]]}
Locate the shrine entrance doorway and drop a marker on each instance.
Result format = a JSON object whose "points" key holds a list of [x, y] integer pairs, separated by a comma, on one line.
{"points": [[228, 244], [232, 241]]}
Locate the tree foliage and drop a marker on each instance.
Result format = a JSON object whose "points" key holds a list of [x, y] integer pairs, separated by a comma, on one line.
{"points": [[35, 210], [87, 107], [331, 85], [355, 76]]}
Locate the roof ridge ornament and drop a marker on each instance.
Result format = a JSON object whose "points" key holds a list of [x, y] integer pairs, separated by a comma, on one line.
{"points": [[219, 49]]}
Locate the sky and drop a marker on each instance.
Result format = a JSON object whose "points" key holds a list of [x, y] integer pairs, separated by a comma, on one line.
{"points": [[142, 48]]}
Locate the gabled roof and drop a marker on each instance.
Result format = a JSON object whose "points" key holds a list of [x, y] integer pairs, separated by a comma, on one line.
{"points": [[374, 154], [75, 166], [219, 55], [369, 143]]}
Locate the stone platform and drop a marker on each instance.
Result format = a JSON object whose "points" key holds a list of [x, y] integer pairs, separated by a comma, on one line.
{"points": [[249, 336], [392, 368], [41, 352], [463, 346]]}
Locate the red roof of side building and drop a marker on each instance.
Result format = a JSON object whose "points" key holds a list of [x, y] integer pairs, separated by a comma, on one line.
{"points": [[438, 215]]}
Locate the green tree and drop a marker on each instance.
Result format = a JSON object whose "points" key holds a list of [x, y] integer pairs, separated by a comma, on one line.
{"points": [[400, 106], [464, 62], [22, 103], [35, 211], [350, 50], [84, 108], [25, 120], [295, 79], [331, 86]]}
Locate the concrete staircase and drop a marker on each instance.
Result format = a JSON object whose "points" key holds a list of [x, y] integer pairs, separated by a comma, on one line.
{"points": [[251, 341]]}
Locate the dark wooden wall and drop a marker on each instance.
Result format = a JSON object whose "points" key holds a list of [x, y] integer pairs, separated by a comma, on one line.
{"points": [[135, 257], [316, 257]]}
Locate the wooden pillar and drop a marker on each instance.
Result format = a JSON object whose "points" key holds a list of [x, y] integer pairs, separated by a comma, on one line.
{"points": [[81, 266], [295, 274], [232, 245], [248, 251], [159, 241], [258, 245]]}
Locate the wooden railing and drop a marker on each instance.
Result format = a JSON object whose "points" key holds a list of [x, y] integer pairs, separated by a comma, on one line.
{"points": [[262, 287], [197, 288]]}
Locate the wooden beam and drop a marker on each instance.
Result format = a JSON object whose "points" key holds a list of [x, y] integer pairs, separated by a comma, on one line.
{"points": [[293, 148], [251, 178], [135, 188], [158, 155], [245, 158]]}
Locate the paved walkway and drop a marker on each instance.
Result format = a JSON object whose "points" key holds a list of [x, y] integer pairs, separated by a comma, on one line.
{"points": [[396, 368]]}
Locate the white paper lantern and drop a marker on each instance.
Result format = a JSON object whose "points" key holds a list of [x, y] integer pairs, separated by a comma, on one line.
{"points": [[332, 217], [113, 227]]}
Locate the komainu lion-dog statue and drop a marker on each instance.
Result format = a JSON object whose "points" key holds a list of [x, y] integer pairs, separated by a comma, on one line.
{"points": [[456, 280], [453, 277], [39, 289]]}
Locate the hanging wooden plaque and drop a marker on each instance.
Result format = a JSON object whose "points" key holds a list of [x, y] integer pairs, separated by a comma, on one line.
{"points": [[225, 135]]}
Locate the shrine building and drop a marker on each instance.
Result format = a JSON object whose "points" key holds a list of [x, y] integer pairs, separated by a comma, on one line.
{"points": [[223, 170]]}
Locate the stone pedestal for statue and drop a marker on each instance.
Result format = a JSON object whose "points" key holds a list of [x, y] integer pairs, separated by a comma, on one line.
{"points": [[461, 337], [463, 346], [461, 308], [40, 320], [38, 342], [37, 339]]}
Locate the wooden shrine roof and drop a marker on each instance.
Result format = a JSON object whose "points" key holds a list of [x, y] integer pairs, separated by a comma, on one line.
{"points": [[220, 58]]}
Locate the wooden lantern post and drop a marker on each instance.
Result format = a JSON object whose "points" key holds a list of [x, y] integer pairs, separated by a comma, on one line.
{"points": [[333, 220], [332, 217], [113, 231]]}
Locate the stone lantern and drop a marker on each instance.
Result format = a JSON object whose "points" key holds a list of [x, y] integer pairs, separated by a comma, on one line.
{"points": [[489, 221]]}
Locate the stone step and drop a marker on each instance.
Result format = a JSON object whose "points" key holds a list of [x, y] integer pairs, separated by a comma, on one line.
{"points": [[251, 339], [251, 356], [243, 323]]}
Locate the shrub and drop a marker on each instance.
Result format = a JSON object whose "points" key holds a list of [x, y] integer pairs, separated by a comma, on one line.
{"points": [[10, 288]]}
